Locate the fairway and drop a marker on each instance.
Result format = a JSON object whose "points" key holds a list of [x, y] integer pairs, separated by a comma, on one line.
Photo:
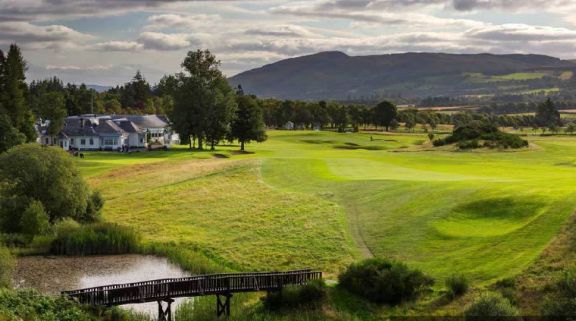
{"points": [[322, 199]]}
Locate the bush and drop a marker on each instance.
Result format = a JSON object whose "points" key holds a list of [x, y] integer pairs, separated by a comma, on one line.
{"points": [[559, 307], [492, 306], [310, 295], [7, 264], [93, 208], [384, 281], [469, 144], [45, 174], [32, 306], [457, 285], [95, 239], [567, 283], [439, 142], [34, 220], [469, 136]]}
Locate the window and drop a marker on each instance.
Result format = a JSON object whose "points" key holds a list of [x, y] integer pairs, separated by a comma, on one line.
{"points": [[91, 141], [47, 140], [71, 141], [110, 141], [83, 141]]}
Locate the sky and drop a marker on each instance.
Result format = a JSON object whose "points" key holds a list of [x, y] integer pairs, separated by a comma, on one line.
{"points": [[105, 42]]}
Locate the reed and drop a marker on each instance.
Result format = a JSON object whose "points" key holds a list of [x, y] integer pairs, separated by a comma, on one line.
{"points": [[95, 239]]}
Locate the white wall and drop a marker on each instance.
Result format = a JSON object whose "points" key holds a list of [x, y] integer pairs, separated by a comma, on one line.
{"points": [[76, 142]]}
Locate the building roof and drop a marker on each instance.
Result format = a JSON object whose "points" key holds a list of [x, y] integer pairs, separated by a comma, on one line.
{"points": [[129, 126], [109, 127], [144, 121], [78, 127]]}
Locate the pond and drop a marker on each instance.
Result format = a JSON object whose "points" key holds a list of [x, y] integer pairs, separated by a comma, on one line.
{"points": [[51, 275]]}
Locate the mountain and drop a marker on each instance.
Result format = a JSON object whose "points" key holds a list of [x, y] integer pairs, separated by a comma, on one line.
{"points": [[335, 75], [99, 88]]}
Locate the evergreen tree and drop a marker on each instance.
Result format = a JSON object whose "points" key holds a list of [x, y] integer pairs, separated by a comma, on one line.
{"points": [[249, 123], [547, 115], [15, 90], [9, 136]]}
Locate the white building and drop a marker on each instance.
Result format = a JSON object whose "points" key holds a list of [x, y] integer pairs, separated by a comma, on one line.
{"points": [[105, 132]]}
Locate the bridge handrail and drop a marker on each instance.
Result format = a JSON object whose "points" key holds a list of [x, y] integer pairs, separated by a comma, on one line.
{"points": [[185, 279]]}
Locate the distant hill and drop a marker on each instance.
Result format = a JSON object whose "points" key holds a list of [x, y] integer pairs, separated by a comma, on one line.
{"points": [[99, 88], [335, 75]]}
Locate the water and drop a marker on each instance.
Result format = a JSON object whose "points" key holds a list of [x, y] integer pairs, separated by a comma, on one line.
{"points": [[51, 275]]}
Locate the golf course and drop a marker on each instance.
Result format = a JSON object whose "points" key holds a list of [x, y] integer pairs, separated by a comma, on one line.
{"points": [[324, 199]]}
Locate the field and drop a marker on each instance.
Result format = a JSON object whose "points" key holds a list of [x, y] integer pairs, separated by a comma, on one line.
{"points": [[323, 200]]}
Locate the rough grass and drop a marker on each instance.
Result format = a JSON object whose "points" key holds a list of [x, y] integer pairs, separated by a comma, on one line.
{"points": [[224, 210], [299, 201]]}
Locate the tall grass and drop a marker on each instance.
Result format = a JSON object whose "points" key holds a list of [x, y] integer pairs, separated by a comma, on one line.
{"points": [[6, 267], [95, 239], [243, 309], [187, 258]]}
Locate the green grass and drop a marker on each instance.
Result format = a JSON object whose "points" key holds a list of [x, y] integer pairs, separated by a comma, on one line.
{"points": [[481, 78], [322, 199]]}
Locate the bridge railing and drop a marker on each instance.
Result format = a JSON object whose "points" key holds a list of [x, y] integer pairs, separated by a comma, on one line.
{"points": [[200, 285]]}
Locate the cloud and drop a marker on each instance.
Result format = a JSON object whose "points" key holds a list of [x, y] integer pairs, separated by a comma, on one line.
{"points": [[460, 5], [163, 41], [363, 12], [29, 10], [176, 21], [75, 67], [280, 31], [521, 32], [117, 46], [34, 37]]}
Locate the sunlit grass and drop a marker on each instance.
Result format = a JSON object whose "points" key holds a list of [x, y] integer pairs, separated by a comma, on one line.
{"points": [[303, 197]]}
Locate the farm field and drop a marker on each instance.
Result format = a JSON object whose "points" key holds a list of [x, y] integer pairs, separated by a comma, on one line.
{"points": [[322, 199]]}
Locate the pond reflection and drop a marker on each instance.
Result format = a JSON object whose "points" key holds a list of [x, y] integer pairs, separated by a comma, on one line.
{"points": [[51, 275]]}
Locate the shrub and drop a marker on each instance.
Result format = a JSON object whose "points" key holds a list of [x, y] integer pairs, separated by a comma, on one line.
{"points": [[492, 306], [559, 307], [310, 295], [93, 208], [7, 264], [439, 142], [457, 285], [567, 283], [29, 305], [384, 281], [469, 144], [34, 220], [95, 239], [469, 136], [45, 174]]}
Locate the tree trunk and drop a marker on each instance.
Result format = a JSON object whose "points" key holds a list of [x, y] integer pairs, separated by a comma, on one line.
{"points": [[242, 145], [212, 145], [387, 128]]}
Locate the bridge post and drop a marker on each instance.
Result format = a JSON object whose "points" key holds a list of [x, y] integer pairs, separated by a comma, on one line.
{"points": [[165, 314], [223, 308]]}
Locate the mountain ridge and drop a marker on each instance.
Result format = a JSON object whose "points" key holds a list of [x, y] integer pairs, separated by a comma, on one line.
{"points": [[335, 75]]}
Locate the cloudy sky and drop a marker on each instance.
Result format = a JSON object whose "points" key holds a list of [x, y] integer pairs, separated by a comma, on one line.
{"points": [[105, 41]]}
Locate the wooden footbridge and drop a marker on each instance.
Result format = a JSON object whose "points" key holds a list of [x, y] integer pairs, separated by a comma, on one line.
{"points": [[166, 290]]}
